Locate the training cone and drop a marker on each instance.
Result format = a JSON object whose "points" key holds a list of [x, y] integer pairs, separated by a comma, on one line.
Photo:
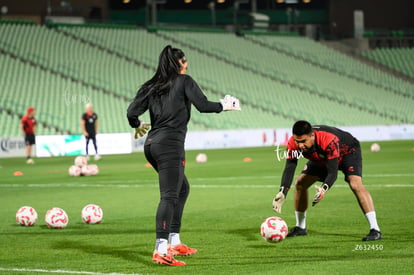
{"points": [[247, 159], [148, 164], [18, 173]]}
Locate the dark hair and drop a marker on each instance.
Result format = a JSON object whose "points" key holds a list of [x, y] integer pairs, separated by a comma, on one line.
{"points": [[167, 71], [302, 127]]}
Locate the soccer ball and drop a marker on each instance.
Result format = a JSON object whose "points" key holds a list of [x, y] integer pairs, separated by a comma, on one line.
{"points": [[92, 214], [81, 161], [274, 229], [74, 171], [56, 218], [201, 158], [93, 169], [86, 171], [26, 216], [375, 147]]}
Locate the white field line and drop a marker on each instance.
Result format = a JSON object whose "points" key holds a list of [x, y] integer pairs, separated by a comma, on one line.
{"points": [[29, 270], [197, 186], [136, 182], [193, 181]]}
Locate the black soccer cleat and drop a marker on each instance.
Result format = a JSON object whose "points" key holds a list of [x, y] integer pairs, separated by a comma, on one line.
{"points": [[297, 231], [373, 235]]}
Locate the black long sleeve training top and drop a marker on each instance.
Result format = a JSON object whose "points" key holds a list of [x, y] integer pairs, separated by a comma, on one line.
{"points": [[170, 113]]}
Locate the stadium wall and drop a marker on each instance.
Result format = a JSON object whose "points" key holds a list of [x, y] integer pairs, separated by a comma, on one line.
{"points": [[12, 147], [379, 15], [23, 9], [123, 143], [272, 137]]}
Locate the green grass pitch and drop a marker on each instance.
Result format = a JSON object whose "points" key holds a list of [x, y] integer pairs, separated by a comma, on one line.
{"points": [[229, 199]]}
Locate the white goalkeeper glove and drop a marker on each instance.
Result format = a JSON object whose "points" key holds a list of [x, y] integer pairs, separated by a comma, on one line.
{"points": [[279, 200], [142, 130], [230, 103], [320, 193]]}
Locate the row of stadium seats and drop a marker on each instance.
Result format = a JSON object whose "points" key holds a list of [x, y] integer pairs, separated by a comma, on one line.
{"points": [[329, 58], [243, 120], [400, 59], [291, 69], [70, 57], [108, 38], [59, 102], [59, 70]]}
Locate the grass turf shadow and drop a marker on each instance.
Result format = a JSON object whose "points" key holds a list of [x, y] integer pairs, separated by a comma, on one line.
{"points": [[133, 253]]}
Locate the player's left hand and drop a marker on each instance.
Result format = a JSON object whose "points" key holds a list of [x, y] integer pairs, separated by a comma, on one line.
{"points": [[320, 193], [142, 130], [230, 103]]}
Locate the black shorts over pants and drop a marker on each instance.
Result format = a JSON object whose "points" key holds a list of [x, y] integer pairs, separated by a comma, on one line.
{"points": [[351, 165]]}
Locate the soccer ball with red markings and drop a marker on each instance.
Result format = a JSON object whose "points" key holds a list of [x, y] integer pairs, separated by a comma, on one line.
{"points": [[92, 214], [26, 216], [274, 229], [86, 171], [56, 218], [81, 161], [93, 169], [74, 171]]}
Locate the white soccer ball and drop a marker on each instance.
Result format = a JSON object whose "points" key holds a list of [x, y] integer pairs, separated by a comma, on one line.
{"points": [[56, 218], [26, 216], [86, 171], [92, 214], [81, 161], [74, 171], [93, 169], [201, 158], [375, 148], [274, 229]]}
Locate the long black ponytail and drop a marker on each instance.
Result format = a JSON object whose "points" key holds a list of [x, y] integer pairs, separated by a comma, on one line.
{"points": [[167, 71]]}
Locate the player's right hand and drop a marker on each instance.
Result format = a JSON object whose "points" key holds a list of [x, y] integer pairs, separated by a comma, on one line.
{"points": [[230, 103], [278, 202], [142, 130], [85, 134], [320, 193]]}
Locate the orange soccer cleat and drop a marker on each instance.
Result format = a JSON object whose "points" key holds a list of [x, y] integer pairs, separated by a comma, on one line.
{"points": [[166, 259], [181, 250]]}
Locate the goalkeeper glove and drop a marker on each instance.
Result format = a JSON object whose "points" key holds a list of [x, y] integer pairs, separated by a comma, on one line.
{"points": [[141, 130], [230, 103], [280, 199], [320, 193]]}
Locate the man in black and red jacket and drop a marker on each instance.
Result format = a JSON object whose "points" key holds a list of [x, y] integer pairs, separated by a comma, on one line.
{"points": [[328, 150]]}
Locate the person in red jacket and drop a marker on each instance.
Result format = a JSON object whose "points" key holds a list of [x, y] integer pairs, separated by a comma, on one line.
{"points": [[328, 150], [28, 128]]}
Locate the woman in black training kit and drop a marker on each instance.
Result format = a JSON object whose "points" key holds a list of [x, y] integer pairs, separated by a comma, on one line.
{"points": [[168, 96]]}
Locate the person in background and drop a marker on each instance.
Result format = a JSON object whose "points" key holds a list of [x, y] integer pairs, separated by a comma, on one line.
{"points": [[89, 125], [28, 128]]}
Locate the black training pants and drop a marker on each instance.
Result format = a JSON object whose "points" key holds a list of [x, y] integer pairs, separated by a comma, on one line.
{"points": [[93, 138], [169, 162]]}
